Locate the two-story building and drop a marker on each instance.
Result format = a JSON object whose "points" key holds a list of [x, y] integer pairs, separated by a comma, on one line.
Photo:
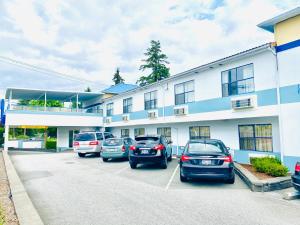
{"points": [[249, 100]]}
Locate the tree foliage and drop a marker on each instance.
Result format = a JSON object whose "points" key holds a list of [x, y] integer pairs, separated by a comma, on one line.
{"points": [[117, 79], [88, 89], [156, 61], [50, 103]]}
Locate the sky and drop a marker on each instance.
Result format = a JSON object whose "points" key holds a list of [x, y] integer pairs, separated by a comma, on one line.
{"points": [[87, 40]]}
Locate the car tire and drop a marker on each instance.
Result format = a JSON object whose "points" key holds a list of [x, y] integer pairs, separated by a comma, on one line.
{"points": [[132, 165], [164, 163], [104, 159], [81, 155], [182, 178], [98, 154], [231, 180], [170, 157]]}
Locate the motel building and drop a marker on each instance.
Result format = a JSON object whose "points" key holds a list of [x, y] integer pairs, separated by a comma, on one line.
{"points": [[249, 100]]}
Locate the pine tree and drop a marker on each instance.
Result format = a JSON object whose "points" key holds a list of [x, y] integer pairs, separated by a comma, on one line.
{"points": [[117, 77], [156, 61], [88, 89]]}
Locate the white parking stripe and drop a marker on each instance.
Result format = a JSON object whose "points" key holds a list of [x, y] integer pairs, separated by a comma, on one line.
{"points": [[172, 177], [121, 170]]}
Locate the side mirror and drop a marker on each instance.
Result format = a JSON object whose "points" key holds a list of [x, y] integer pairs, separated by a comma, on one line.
{"points": [[170, 142]]}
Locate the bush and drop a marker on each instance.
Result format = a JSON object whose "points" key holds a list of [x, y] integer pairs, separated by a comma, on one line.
{"points": [[51, 143], [2, 219], [270, 166], [22, 137]]}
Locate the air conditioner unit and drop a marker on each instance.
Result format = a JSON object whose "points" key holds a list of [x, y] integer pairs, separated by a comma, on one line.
{"points": [[180, 111], [152, 115], [125, 117], [243, 103], [108, 120]]}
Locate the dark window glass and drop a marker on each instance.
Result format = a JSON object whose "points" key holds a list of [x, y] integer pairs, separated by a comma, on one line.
{"points": [[150, 100], [199, 132], [99, 136], [127, 105], [139, 131], [85, 137], [257, 137], [109, 109], [124, 132], [238, 80], [184, 92], [165, 131]]}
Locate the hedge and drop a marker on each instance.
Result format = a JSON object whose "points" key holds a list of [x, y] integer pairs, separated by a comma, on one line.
{"points": [[51, 143], [270, 166], [2, 218]]}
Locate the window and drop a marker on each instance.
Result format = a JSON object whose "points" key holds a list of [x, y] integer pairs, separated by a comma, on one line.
{"points": [[165, 131], [127, 105], [199, 132], [184, 92], [99, 136], [109, 109], [139, 131], [124, 133], [108, 135], [238, 81], [150, 99], [256, 137]]}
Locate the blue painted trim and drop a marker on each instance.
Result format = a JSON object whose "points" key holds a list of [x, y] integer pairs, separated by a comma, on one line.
{"points": [[288, 46], [264, 98], [290, 94], [51, 113], [242, 156]]}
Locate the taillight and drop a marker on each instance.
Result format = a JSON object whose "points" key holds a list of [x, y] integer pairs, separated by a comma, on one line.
{"points": [[185, 158], [159, 147], [297, 167], [132, 148], [123, 148], [228, 159], [76, 143], [94, 143]]}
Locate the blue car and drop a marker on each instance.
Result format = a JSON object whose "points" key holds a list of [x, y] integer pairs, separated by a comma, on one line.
{"points": [[114, 148], [296, 177]]}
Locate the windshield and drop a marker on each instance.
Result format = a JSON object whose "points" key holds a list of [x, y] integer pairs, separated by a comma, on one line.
{"points": [[198, 147], [113, 142], [147, 139], [85, 137]]}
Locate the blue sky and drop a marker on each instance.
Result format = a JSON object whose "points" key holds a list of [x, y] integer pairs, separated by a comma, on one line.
{"points": [[89, 39]]}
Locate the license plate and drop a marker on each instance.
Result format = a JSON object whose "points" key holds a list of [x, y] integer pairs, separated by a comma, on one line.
{"points": [[144, 151], [206, 162], [111, 149]]}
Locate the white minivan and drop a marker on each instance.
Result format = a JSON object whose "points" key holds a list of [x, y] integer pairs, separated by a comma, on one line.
{"points": [[90, 142]]}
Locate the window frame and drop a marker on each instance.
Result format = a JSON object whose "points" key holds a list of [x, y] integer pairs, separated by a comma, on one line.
{"points": [[229, 84], [200, 137], [154, 100], [123, 136], [109, 111], [169, 138], [139, 128], [127, 105], [256, 137], [184, 92]]}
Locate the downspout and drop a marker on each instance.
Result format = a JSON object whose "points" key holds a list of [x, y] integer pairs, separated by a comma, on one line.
{"points": [[281, 133]]}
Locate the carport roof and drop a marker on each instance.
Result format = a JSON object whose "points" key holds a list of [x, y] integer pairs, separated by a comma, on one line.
{"points": [[30, 94]]}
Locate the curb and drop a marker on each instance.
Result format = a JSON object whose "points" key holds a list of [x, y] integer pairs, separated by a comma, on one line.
{"points": [[25, 210], [256, 185]]}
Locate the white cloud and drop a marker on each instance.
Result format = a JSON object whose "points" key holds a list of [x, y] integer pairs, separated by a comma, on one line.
{"points": [[90, 39]]}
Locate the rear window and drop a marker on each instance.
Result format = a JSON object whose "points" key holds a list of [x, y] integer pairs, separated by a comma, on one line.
{"points": [[147, 139], [85, 137], [113, 142], [198, 147]]}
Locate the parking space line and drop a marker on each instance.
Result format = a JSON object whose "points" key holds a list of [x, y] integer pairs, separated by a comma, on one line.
{"points": [[172, 177], [121, 170]]}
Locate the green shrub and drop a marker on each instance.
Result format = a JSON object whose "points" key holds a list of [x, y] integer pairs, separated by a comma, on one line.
{"points": [[22, 137], [2, 219], [51, 143], [270, 166]]}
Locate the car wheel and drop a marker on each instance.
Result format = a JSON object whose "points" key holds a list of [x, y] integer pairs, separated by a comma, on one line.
{"points": [[170, 157], [230, 180], [105, 159], [81, 155], [164, 163], [98, 154], [133, 165], [182, 178]]}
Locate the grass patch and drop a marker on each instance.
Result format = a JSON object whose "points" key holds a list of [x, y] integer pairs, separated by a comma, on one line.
{"points": [[270, 166], [2, 218]]}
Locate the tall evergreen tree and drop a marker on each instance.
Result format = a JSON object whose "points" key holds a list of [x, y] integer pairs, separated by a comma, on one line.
{"points": [[88, 89], [117, 77], [156, 61]]}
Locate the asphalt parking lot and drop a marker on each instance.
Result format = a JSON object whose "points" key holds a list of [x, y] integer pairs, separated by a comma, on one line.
{"points": [[67, 189]]}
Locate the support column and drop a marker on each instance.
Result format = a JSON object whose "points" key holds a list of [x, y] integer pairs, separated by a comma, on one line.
{"points": [[45, 105], [76, 102], [6, 135], [9, 100]]}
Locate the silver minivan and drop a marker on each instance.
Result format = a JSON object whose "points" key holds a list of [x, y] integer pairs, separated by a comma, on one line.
{"points": [[90, 142]]}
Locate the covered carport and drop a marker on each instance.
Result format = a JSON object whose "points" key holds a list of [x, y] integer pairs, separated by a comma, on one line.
{"points": [[73, 115]]}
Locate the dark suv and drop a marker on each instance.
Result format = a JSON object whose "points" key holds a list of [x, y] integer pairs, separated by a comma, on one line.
{"points": [[296, 177], [150, 149]]}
